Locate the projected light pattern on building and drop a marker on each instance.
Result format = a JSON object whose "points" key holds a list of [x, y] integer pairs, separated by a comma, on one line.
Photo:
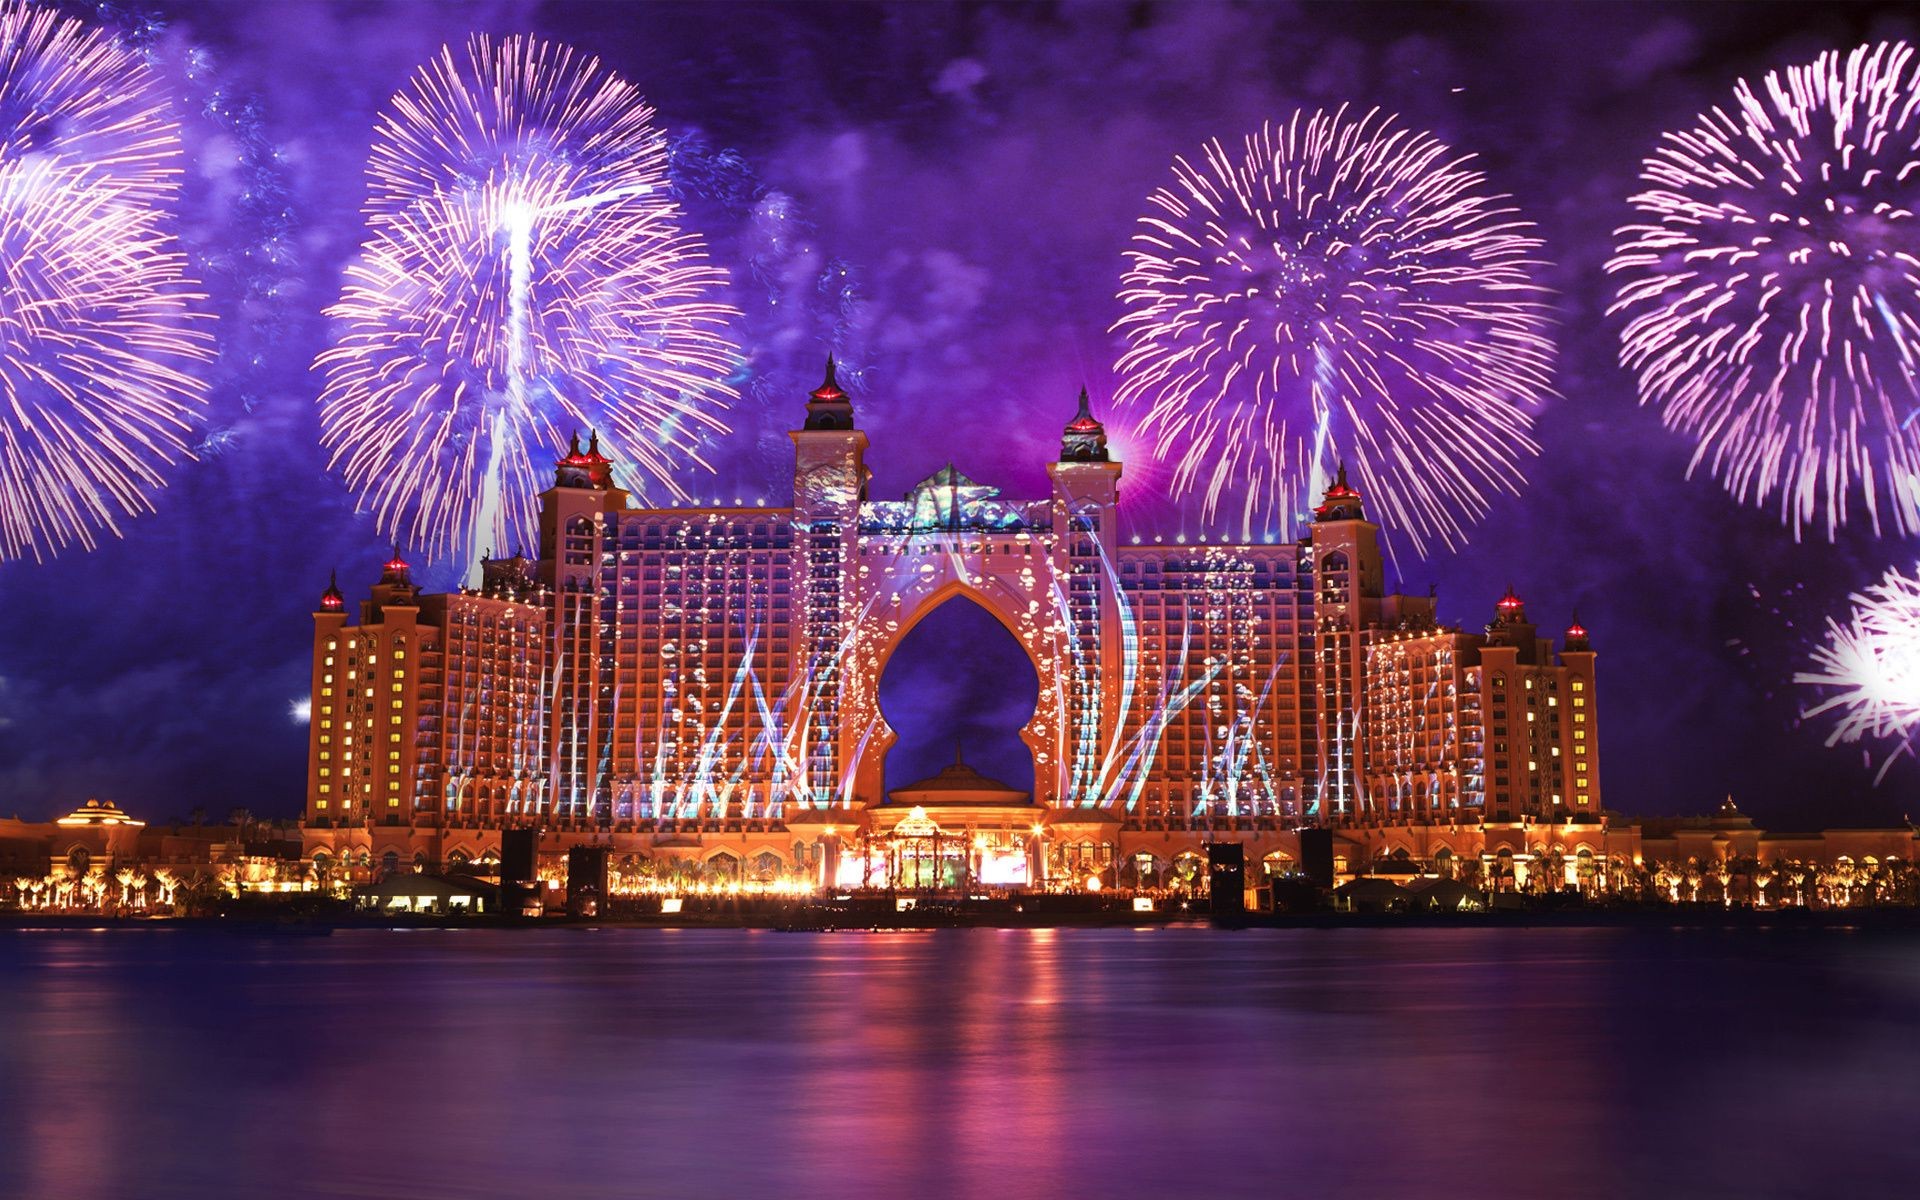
{"points": [[713, 674]]}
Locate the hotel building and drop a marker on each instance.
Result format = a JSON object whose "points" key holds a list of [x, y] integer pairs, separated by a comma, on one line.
{"points": [[702, 683]]}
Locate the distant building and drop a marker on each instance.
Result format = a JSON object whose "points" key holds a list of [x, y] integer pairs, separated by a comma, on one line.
{"points": [[99, 858], [701, 681]]}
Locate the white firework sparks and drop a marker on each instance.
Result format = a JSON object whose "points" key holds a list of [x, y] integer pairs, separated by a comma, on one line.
{"points": [[1337, 289], [1868, 668], [1772, 289]]}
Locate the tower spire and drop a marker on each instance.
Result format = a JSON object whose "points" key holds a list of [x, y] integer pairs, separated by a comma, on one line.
{"points": [[1085, 438], [828, 406], [1577, 638], [1341, 501], [584, 468], [331, 600]]}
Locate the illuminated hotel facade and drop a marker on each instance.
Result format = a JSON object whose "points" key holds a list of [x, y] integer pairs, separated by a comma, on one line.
{"points": [[702, 683]]}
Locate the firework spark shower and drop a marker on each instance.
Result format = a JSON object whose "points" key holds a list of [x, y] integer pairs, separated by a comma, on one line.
{"points": [[100, 330], [1771, 289], [941, 195], [526, 276], [1868, 668], [1337, 288]]}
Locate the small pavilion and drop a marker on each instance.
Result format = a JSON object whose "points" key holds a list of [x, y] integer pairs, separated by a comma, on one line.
{"points": [[957, 830]]}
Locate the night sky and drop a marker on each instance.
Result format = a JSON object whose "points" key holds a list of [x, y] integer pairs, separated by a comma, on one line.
{"points": [[942, 195]]}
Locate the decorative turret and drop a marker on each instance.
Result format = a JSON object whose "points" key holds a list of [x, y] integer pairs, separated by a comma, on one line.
{"points": [[1577, 635], [827, 405], [829, 474], [331, 601], [584, 468], [397, 570], [1084, 439], [1511, 610], [1729, 816], [1341, 502], [396, 586]]}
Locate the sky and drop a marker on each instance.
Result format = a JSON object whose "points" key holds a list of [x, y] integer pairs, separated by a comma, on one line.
{"points": [[942, 195]]}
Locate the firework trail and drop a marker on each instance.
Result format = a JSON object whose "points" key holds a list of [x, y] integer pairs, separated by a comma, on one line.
{"points": [[1868, 669], [1772, 290], [100, 327], [1336, 289], [525, 276]]}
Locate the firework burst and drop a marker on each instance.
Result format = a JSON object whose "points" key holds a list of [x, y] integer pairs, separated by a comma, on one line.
{"points": [[99, 329], [1336, 289], [1772, 291], [1868, 669], [525, 276]]}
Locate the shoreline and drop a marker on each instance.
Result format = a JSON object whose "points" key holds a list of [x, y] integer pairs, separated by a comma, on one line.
{"points": [[819, 919]]}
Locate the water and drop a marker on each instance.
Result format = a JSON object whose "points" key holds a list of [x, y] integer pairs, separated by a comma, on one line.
{"points": [[963, 1063]]}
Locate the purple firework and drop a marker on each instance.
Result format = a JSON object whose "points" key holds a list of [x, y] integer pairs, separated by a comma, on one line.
{"points": [[1336, 290], [1771, 289]]}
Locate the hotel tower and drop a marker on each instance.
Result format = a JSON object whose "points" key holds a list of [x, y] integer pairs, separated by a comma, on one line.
{"points": [[701, 683]]}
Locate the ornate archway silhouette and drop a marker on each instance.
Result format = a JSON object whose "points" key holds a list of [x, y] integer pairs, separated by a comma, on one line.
{"points": [[956, 649], [1009, 607]]}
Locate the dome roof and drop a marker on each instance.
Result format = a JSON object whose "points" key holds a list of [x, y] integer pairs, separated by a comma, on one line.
{"points": [[99, 812], [958, 784]]}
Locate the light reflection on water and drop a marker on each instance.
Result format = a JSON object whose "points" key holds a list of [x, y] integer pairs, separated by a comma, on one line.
{"points": [[1001, 1063]]}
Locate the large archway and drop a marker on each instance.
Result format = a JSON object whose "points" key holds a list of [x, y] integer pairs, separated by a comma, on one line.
{"points": [[957, 675]]}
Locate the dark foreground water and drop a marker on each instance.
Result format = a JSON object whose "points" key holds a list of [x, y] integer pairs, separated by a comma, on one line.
{"points": [[966, 1063]]}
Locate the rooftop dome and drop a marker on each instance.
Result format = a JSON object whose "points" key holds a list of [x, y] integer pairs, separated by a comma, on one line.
{"points": [[98, 812], [957, 784]]}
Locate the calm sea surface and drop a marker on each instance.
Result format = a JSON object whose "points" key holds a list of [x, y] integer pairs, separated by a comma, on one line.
{"points": [[966, 1063]]}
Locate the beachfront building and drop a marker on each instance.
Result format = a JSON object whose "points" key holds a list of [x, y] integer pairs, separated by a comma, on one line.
{"points": [[700, 684]]}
